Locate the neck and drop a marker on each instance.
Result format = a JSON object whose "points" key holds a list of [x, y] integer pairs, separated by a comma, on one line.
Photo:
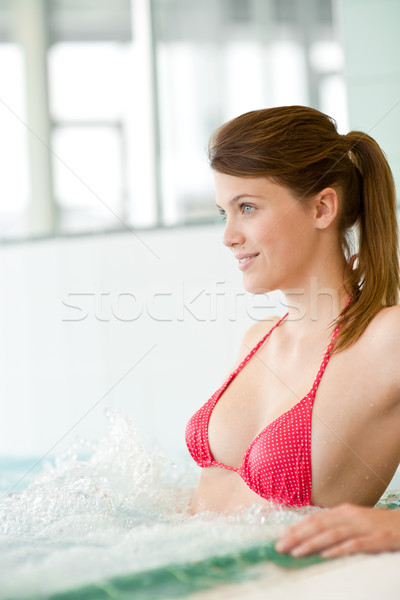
{"points": [[320, 302]]}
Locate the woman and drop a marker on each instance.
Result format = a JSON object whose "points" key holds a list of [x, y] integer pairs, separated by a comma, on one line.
{"points": [[311, 413]]}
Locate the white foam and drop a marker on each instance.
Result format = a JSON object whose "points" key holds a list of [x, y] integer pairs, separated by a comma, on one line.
{"points": [[122, 510]]}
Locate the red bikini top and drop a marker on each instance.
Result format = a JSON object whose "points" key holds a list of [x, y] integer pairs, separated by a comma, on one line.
{"points": [[277, 464]]}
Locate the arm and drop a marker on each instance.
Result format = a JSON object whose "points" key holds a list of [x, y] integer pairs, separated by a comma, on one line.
{"points": [[345, 529]]}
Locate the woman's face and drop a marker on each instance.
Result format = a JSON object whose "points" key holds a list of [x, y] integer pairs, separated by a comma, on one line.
{"points": [[270, 232]]}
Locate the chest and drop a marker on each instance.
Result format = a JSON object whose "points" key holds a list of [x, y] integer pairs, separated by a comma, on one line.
{"points": [[263, 390], [270, 384]]}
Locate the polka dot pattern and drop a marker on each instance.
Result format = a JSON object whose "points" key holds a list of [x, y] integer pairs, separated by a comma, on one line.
{"points": [[277, 464]]}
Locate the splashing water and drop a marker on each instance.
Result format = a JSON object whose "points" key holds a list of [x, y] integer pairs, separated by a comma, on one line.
{"points": [[124, 510]]}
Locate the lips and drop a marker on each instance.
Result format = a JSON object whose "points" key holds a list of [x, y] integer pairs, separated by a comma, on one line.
{"points": [[244, 257], [245, 260]]}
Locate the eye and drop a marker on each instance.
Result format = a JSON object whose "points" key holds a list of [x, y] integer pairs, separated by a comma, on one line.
{"points": [[222, 213], [247, 208]]}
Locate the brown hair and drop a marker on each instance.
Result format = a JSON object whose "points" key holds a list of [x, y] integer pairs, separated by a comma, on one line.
{"points": [[300, 148]]}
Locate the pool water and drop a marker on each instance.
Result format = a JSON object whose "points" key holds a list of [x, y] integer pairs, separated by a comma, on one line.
{"points": [[110, 520]]}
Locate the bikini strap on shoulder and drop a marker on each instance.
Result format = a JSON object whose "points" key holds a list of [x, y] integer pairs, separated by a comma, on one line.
{"points": [[256, 347]]}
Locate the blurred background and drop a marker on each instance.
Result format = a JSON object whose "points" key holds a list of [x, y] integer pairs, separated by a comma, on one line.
{"points": [[115, 290]]}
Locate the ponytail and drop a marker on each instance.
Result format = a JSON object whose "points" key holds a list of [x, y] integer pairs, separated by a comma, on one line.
{"points": [[374, 282]]}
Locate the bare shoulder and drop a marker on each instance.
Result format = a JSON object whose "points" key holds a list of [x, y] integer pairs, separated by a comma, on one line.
{"points": [[385, 328], [383, 338], [251, 338], [254, 334]]}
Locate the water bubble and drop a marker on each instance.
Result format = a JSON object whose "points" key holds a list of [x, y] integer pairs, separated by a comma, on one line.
{"points": [[120, 509]]}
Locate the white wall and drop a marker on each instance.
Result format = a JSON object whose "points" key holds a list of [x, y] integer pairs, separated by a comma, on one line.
{"points": [[81, 329]]}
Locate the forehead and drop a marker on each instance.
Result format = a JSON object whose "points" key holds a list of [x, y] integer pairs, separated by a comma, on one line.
{"points": [[230, 185], [230, 188]]}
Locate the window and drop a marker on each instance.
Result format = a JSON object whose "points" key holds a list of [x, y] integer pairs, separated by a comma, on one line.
{"points": [[216, 60], [107, 106], [14, 191]]}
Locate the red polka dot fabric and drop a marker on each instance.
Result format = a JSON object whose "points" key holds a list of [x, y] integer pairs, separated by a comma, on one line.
{"points": [[277, 464]]}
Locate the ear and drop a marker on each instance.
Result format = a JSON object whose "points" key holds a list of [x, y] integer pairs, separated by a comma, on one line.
{"points": [[325, 207]]}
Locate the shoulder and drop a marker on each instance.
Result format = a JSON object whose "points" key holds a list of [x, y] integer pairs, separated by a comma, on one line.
{"points": [[251, 338], [383, 338], [254, 334], [384, 329]]}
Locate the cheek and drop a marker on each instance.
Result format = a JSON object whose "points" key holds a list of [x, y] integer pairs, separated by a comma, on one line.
{"points": [[286, 238], [296, 227], [275, 237], [268, 232], [290, 228]]}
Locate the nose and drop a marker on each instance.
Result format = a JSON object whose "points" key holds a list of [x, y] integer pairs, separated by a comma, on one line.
{"points": [[232, 234]]}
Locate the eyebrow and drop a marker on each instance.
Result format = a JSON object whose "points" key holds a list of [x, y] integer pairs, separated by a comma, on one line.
{"points": [[237, 198]]}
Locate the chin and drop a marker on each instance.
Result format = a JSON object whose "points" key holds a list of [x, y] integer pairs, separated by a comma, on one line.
{"points": [[257, 287]]}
